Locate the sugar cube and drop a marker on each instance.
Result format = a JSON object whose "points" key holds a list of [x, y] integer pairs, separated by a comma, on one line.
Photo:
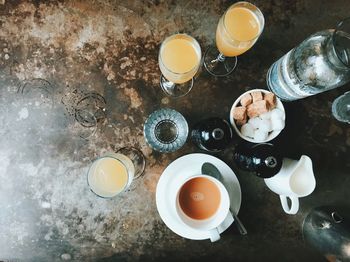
{"points": [[265, 125], [255, 122], [257, 108], [246, 100], [239, 113], [266, 115], [247, 130], [257, 96], [260, 135], [270, 99], [277, 124], [277, 114], [242, 121]]}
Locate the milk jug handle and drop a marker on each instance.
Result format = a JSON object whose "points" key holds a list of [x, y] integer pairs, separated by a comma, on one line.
{"points": [[293, 209], [214, 234]]}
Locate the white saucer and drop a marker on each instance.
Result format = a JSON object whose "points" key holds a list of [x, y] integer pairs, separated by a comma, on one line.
{"points": [[187, 166]]}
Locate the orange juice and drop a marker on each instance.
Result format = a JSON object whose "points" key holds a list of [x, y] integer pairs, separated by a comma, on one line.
{"points": [[108, 177], [179, 58], [237, 31]]}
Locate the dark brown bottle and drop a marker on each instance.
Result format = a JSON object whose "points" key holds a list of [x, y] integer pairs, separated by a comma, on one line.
{"points": [[262, 159], [212, 134]]}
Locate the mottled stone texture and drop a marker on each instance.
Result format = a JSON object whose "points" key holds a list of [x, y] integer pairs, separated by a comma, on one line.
{"points": [[81, 49]]}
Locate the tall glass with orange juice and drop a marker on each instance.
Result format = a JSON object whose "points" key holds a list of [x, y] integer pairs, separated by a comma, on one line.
{"points": [[179, 60], [238, 30]]}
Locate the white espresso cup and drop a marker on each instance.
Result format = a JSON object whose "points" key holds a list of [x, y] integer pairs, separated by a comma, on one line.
{"points": [[296, 179], [211, 223]]}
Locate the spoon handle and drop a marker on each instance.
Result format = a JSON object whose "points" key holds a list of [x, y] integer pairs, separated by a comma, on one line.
{"points": [[239, 225]]}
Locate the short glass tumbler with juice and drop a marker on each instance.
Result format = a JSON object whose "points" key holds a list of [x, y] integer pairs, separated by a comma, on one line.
{"points": [[179, 60], [110, 175], [238, 30]]}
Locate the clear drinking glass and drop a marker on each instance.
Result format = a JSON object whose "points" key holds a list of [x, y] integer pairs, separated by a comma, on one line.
{"points": [[341, 108], [136, 157], [112, 174], [238, 30], [179, 60], [166, 130]]}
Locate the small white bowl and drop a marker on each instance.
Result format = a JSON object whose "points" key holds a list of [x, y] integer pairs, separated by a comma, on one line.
{"points": [[272, 134]]}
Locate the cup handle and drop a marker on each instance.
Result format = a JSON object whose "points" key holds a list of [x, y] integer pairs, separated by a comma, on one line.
{"points": [[214, 235], [294, 206]]}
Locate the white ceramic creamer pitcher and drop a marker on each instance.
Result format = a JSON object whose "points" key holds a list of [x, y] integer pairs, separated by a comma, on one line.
{"points": [[295, 179]]}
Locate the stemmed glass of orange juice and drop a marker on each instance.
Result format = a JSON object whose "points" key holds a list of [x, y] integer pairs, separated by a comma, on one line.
{"points": [[179, 60], [238, 30]]}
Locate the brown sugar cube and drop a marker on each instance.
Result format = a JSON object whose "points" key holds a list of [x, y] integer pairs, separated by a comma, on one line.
{"points": [[271, 100], [240, 113], [242, 122], [257, 96], [257, 108], [246, 100]]}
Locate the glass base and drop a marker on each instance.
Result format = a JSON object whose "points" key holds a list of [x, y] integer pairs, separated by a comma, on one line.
{"points": [[218, 64], [85, 124], [136, 157], [175, 90], [341, 108]]}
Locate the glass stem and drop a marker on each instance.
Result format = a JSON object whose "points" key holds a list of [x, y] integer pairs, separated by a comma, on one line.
{"points": [[167, 83], [220, 58]]}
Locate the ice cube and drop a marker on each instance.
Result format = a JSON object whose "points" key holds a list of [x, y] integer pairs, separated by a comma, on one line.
{"points": [[277, 124], [255, 122], [265, 125], [260, 136], [277, 114], [266, 115], [247, 130]]}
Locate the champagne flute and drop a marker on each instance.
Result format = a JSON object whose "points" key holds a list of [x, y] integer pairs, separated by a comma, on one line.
{"points": [[238, 30], [179, 60]]}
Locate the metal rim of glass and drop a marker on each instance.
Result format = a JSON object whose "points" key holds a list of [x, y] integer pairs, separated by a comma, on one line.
{"points": [[103, 157]]}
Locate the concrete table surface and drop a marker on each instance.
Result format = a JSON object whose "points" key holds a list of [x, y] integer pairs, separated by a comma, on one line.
{"points": [[54, 55]]}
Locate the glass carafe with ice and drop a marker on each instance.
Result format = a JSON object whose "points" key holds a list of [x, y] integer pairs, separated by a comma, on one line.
{"points": [[319, 63]]}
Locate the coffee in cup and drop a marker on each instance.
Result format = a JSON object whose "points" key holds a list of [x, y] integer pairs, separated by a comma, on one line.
{"points": [[199, 198], [203, 203]]}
